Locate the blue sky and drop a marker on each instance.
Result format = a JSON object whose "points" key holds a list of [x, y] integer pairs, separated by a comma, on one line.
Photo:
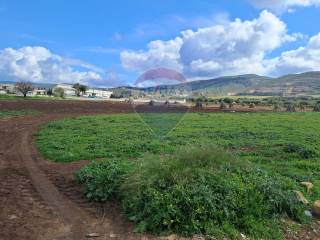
{"points": [[106, 40]]}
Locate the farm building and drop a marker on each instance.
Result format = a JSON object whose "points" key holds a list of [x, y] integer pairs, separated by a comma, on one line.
{"points": [[98, 92]]}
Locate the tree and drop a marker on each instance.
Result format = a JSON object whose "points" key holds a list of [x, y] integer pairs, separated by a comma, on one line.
{"points": [[79, 89], [49, 92], [83, 89], [58, 92], [291, 107], [223, 105], [317, 107], [24, 87]]}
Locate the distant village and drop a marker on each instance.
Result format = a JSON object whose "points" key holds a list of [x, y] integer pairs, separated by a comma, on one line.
{"points": [[58, 90]]}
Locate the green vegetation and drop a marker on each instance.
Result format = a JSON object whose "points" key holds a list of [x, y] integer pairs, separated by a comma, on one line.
{"points": [[15, 97], [197, 190], [7, 113], [164, 189]]}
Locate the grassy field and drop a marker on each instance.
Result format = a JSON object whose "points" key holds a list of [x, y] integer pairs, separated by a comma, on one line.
{"points": [[282, 144], [15, 97], [5, 113], [288, 143]]}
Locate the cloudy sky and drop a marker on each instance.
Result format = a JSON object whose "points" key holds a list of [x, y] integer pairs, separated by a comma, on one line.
{"points": [[109, 43]]}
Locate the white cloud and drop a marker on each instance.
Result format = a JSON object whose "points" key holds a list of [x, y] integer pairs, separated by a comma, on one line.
{"points": [[159, 54], [38, 64], [283, 5], [237, 47], [299, 60]]}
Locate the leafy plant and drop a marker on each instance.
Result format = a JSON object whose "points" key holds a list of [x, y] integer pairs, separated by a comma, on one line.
{"points": [[199, 189], [102, 179], [301, 150]]}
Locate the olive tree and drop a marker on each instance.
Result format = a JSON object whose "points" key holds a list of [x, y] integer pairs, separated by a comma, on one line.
{"points": [[24, 87]]}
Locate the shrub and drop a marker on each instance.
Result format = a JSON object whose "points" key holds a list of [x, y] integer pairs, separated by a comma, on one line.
{"points": [[197, 190], [151, 103], [277, 107], [101, 179], [300, 150], [291, 107], [200, 190], [317, 107], [199, 104], [252, 105], [228, 100], [58, 92], [231, 105], [223, 105]]}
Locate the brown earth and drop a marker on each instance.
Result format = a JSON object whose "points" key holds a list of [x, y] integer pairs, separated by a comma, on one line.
{"points": [[39, 199]]}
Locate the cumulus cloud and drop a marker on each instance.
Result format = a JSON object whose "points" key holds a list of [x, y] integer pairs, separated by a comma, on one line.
{"points": [[280, 6], [236, 47], [159, 54], [38, 64], [300, 60]]}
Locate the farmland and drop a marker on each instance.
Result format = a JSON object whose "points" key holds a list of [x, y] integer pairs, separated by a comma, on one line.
{"points": [[284, 146], [5, 114]]}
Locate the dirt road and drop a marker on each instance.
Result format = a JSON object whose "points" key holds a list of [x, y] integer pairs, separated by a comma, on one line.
{"points": [[39, 199]]}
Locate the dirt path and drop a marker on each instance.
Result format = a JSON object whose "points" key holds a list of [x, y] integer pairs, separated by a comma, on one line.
{"points": [[39, 199]]}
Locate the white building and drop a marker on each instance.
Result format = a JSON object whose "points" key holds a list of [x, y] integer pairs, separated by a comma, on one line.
{"points": [[6, 88], [98, 92], [68, 89]]}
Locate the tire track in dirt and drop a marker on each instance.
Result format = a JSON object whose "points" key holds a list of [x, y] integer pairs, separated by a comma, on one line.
{"points": [[37, 203], [70, 213]]}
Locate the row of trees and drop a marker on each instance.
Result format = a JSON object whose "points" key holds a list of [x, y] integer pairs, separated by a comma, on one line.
{"points": [[25, 87]]}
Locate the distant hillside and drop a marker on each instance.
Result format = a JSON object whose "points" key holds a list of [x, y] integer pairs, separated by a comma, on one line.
{"points": [[217, 86], [289, 85]]}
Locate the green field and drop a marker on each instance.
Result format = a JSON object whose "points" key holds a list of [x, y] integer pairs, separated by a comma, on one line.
{"points": [[7, 113], [284, 145], [13, 97]]}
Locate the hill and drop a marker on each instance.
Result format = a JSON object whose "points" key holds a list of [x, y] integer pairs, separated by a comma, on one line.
{"points": [[303, 84], [289, 85]]}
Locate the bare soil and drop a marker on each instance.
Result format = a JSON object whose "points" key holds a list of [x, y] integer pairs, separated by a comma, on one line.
{"points": [[39, 199]]}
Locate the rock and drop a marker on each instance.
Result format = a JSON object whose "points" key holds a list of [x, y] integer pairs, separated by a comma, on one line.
{"points": [[12, 217], [92, 235], [173, 237], [316, 208], [198, 237], [308, 213], [307, 185], [243, 236], [112, 235], [301, 197]]}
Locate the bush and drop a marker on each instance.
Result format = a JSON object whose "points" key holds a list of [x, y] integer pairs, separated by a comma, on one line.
{"points": [[317, 107], [199, 104], [300, 150], [276, 107], [151, 103], [58, 92], [201, 190], [223, 105], [197, 190], [252, 105], [102, 179], [291, 108]]}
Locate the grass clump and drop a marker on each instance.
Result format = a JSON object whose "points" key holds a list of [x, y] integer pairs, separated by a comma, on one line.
{"points": [[197, 190], [16, 113], [102, 179]]}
